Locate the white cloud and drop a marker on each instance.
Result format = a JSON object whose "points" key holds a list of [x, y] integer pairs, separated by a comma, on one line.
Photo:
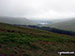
{"points": [[48, 9]]}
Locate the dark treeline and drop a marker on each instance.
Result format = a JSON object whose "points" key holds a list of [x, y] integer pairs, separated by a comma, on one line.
{"points": [[51, 29]]}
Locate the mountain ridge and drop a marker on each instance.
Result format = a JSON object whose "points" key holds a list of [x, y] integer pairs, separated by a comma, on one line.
{"points": [[17, 20], [68, 25]]}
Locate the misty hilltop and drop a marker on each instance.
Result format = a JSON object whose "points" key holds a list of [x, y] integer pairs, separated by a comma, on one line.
{"points": [[17, 20], [65, 25]]}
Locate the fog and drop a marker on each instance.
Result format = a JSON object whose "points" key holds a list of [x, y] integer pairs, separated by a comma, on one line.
{"points": [[38, 9]]}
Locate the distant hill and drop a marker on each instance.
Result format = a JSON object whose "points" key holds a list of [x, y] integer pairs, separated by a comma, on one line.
{"points": [[65, 25], [17, 20], [47, 23], [24, 41]]}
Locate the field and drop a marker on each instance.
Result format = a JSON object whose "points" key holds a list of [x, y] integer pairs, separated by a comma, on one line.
{"points": [[20, 41]]}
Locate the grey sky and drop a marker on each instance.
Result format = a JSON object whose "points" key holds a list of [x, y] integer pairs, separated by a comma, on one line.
{"points": [[49, 9]]}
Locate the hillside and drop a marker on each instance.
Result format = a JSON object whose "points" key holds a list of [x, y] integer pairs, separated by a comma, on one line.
{"points": [[66, 25], [17, 20], [19, 41]]}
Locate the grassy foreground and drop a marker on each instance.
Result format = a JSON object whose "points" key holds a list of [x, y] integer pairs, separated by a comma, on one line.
{"points": [[19, 41]]}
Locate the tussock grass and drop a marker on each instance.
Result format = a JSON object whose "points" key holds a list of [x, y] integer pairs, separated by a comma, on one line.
{"points": [[21, 41]]}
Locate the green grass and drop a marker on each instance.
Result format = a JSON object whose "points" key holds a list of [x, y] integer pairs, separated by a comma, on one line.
{"points": [[16, 37], [21, 41]]}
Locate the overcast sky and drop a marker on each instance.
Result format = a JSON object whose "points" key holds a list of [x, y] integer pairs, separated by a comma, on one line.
{"points": [[48, 9]]}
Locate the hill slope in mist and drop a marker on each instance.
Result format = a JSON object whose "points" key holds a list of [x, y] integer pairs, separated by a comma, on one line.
{"points": [[17, 20], [65, 25]]}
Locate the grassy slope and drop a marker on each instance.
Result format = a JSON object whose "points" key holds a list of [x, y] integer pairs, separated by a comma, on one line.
{"points": [[20, 41], [66, 25]]}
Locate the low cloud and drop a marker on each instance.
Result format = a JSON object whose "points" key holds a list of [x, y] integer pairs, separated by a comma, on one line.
{"points": [[48, 9]]}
